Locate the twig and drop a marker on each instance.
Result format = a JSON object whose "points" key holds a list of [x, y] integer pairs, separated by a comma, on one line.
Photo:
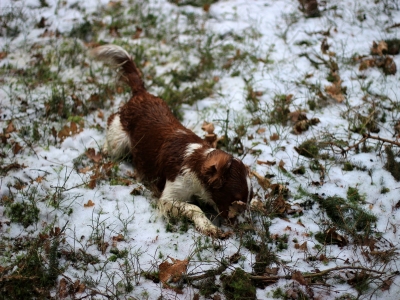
{"points": [[321, 273]]}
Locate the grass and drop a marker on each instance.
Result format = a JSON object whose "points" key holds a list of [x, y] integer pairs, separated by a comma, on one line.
{"points": [[58, 93]]}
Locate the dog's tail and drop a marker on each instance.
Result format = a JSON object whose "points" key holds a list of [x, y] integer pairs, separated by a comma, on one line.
{"points": [[117, 57]]}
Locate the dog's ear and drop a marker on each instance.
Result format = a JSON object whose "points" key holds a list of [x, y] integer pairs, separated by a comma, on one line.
{"points": [[215, 166]]}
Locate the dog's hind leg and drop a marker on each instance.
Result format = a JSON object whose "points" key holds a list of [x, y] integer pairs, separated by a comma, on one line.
{"points": [[117, 143]]}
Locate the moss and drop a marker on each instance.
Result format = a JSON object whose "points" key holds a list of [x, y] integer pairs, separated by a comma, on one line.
{"points": [[308, 148], [238, 286], [24, 213], [392, 165], [348, 166]]}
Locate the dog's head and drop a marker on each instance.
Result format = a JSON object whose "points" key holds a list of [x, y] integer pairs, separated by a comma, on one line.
{"points": [[229, 183]]}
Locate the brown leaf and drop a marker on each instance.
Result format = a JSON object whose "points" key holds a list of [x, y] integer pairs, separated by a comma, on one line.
{"points": [[10, 127], [90, 203], [138, 32], [268, 163], [332, 237], [303, 246], [296, 275], [85, 170], [280, 205], [68, 131], [118, 238], [386, 284], [39, 179], [17, 148], [380, 48], [261, 130], [208, 127], [365, 64], [335, 89], [297, 115], [303, 125], [274, 137], [262, 181], [3, 55], [281, 166], [62, 288], [91, 154], [79, 287], [172, 272]]}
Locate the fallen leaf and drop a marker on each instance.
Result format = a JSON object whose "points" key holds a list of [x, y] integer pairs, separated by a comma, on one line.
{"points": [[208, 127], [281, 166], [90, 203], [303, 246], [85, 170], [386, 284], [261, 130], [172, 272], [262, 181], [10, 127], [79, 287], [17, 148], [296, 275], [268, 163], [380, 48], [335, 90], [274, 137], [3, 55], [62, 288], [91, 154]]}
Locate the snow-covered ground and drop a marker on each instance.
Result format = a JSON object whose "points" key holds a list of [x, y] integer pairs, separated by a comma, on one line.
{"points": [[282, 52]]}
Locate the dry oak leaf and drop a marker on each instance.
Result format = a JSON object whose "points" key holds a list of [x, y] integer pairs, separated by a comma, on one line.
{"points": [[62, 288], [296, 275], [90, 203], [208, 127], [68, 131], [262, 181], [335, 91], [380, 48], [10, 127], [172, 272], [79, 287], [268, 163], [274, 137], [17, 148], [91, 154]]}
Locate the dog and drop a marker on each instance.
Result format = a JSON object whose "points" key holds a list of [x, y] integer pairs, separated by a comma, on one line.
{"points": [[175, 162]]}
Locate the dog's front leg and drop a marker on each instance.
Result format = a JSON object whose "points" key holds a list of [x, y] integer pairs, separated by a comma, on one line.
{"points": [[172, 204]]}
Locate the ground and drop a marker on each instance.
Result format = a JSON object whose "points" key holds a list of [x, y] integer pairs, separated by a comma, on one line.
{"points": [[304, 92]]}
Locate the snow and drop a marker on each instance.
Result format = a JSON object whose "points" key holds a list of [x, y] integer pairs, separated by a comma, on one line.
{"points": [[116, 211]]}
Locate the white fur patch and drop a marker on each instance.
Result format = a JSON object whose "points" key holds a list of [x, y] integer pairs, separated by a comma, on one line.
{"points": [[249, 187], [117, 144], [208, 151], [173, 200], [191, 148]]}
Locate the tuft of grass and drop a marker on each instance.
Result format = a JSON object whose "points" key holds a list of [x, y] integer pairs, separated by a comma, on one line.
{"points": [[347, 216], [238, 286], [309, 148], [391, 164]]}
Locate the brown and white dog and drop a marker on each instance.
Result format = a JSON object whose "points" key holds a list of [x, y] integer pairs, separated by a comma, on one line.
{"points": [[173, 160]]}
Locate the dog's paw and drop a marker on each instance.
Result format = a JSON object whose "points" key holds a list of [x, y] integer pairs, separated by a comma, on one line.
{"points": [[217, 233]]}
